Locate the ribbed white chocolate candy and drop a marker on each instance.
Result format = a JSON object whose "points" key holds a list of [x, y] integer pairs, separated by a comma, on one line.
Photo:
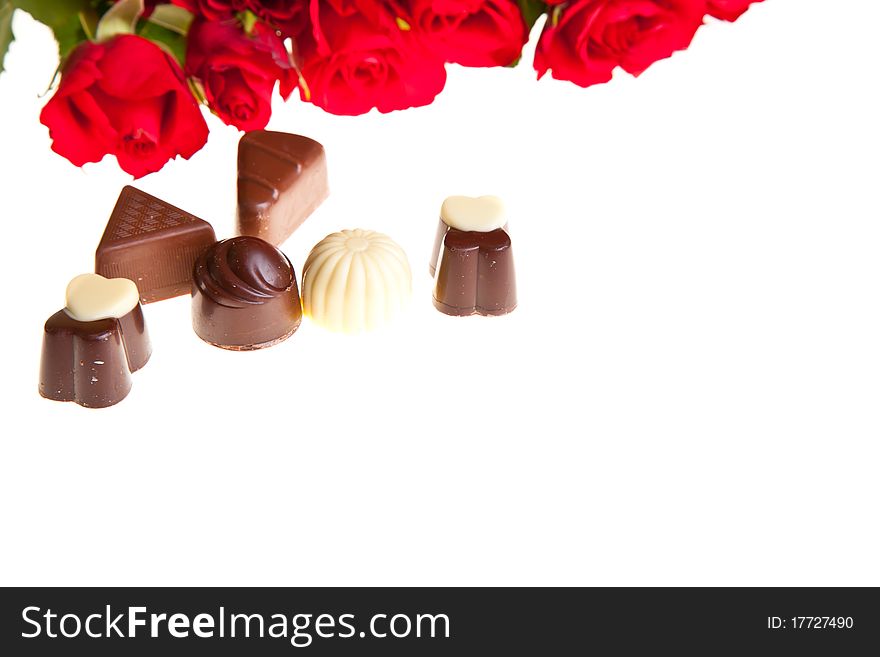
{"points": [[355, 280]]}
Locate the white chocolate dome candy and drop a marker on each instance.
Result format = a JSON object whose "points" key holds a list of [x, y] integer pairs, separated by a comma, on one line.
{"points": [[355, 280]]}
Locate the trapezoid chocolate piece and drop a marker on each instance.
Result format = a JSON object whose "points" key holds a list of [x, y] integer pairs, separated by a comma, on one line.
{"points": [[282, 179], [152, 243]]}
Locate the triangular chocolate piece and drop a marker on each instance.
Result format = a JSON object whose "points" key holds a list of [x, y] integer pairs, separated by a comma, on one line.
{"points": [[282, 179], [152, 243]]}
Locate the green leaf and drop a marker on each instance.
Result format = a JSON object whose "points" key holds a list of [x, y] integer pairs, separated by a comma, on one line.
{"points": [[6, 35], [120, 19], [72, 21], [531, 11], [171, 17], [170, 41]]}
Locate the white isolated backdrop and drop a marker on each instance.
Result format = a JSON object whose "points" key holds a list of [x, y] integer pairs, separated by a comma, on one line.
{"points": [[687, 394]]}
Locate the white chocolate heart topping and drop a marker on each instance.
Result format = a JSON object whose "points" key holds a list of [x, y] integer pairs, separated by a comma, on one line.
{"points": [[482, 214], [91, 297]]}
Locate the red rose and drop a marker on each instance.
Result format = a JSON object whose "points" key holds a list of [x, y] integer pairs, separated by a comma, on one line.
{"points": [[471, 32], [585, 40], [239, 71], [357, 56], [729, 10], [126, 97]]}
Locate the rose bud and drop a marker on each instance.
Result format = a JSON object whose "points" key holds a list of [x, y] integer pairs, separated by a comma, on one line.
{"points": [[471, 32], [585, 40], [238, 71], [357, 56], [125, 97]]}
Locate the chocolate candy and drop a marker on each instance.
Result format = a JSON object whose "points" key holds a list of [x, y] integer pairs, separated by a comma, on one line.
{"points": [[282, 179], [152, 243], [482, 214], [244, 295], [92, 346], [473, 260], [355, 280]]}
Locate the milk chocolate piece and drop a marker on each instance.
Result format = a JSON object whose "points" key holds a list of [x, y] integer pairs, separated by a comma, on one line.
{"points": [[282, 179], [244, 295], [152, 243], [474, 272], [91, 347]]}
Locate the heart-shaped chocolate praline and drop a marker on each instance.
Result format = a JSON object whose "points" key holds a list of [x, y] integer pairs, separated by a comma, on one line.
{"points": [[91, 297], [482, 214]]}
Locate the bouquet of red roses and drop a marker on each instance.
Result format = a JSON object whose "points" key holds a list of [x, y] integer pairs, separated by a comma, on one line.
{"points": [[134, 73]]}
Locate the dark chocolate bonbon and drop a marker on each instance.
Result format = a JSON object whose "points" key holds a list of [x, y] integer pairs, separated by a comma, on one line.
{"points": [[475, 274], [88, 355], [472, 261]]}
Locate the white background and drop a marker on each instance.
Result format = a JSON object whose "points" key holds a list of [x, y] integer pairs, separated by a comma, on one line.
{"points": [[687, 394]]}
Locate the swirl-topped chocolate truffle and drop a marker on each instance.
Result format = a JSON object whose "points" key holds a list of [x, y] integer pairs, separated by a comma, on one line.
{"points": [[244, 295]]}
